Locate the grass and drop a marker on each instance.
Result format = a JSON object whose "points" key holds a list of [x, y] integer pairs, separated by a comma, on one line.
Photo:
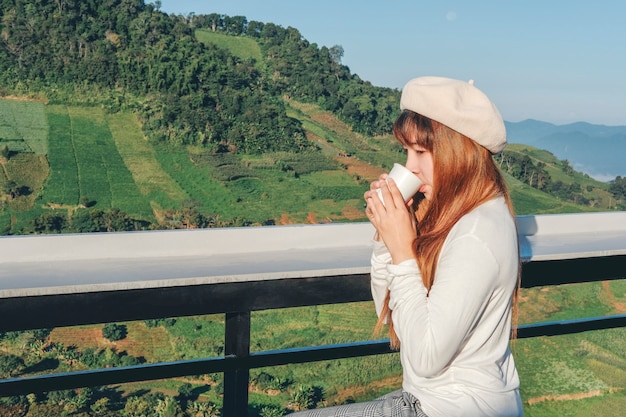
{"points": [[242, 47], [63, 185], [140, 159], [317, 325], [85, 163], [23, 125], [195, 181], [570, 367], [30, 170], [102, 175], [562, 302]]}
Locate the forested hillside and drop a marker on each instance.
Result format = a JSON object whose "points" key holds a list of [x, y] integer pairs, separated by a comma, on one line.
{"points": [[124, 54]]}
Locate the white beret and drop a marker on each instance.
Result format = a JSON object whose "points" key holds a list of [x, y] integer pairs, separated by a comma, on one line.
{"points": [[458, 105]]}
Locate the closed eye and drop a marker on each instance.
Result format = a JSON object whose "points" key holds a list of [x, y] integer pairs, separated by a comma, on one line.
{"points": [[418, 149], [415, 151]]}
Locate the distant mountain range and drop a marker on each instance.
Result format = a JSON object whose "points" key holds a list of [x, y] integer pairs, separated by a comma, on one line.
{"points": [[597, 150]]}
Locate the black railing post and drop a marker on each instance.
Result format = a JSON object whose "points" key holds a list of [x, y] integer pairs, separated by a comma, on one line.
{"points": [[237, 343]]}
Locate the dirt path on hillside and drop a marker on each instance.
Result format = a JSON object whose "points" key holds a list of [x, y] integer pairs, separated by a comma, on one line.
{"points": [[353, 165], [364, 171], [353, 392], [567, 397], [22, 98], [619, 307], [360, 168], [141, 341]]}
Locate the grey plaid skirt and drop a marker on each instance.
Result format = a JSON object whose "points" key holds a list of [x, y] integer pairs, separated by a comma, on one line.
{"points": [[395, 404]]}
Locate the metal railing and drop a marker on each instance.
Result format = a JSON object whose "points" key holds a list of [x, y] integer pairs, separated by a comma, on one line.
{"points": [[65, 280]]}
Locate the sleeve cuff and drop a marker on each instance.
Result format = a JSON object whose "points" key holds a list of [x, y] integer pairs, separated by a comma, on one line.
{"points": [[406, 279], [380, 254], [404, 268]]}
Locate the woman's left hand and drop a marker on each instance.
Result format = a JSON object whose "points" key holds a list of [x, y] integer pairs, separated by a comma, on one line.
{"points": [[394, 223]]}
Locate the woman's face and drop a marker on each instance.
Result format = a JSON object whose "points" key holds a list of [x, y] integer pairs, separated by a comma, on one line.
{"points": [[420, 162]]}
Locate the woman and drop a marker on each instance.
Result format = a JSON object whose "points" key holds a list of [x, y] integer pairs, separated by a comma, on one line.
{"points": [[445, 270]]}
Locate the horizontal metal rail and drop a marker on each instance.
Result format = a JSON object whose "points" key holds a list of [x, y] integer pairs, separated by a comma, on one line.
{"points": [[100, 377]]}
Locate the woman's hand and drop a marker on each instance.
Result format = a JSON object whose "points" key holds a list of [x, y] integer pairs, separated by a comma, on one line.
{"points": [[394, 223]]}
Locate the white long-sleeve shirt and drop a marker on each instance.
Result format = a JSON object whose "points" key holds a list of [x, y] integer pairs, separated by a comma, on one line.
{"points": [[455, 341]]}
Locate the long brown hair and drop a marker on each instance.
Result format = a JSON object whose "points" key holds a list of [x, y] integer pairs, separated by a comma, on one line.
{"points": [[465, 176]]}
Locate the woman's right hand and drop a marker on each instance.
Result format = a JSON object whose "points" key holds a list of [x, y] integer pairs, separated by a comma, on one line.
{"points": [[393, 222]]}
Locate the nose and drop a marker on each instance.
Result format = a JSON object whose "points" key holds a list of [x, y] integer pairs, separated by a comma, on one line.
{"points": [[412, 164]]}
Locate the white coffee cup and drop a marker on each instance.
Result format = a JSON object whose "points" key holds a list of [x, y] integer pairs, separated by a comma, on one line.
{"points": [[408, 183]]}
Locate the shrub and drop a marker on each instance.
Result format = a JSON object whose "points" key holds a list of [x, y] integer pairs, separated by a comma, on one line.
{"points": [[89, 358], [272, 411], [114, 331], [9, 335], [166, 322], [185, 391], [61, 397], [101, 406], [306, 397], [10, 365], [128, 360], [41, 334]]}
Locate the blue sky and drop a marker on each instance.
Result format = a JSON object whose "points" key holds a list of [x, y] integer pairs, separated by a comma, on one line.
{"points": [[555, 61]]}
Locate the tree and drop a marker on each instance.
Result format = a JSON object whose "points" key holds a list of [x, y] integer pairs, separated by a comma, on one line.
{"points": [[10, 365], [336, 53], [115, 220], [101, 406], [60, 397], [203, 409], [567, 168], [617, 187], [137, 407], [50, 223], [185, 391], [168, 407], [235, 25], [113, 331], [83, 222], [89, 358], [14, 190]]}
